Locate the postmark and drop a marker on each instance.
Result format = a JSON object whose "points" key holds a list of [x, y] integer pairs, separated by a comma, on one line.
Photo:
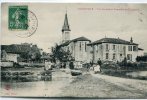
{"points": [[32, 26], [28, 25]]}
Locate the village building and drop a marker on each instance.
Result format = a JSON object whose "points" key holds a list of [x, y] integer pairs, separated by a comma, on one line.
{"points": [[19, 52], [9, 56], [113, 49], [141, 52], [77, 47], [105, 49]]}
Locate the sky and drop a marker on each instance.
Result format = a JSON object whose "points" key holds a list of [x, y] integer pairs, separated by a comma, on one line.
{"points": [[93, 21]]}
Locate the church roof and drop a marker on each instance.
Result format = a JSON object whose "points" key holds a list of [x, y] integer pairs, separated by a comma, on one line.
{"points": [[66, 25], [74, 40], [80, 39], [112, 40]]}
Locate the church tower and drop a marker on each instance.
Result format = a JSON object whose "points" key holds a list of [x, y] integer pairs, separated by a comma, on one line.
{"points": [[65, 30]]}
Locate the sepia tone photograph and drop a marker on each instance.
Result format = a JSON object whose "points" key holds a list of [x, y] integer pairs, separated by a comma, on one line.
{"points": [[74, 50]]}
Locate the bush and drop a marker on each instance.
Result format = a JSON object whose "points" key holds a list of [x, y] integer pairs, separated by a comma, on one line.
{"points": [[110, 65], [141, 58]]}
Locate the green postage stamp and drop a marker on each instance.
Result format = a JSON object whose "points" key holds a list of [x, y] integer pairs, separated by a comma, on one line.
{"points": [[18, 18]]}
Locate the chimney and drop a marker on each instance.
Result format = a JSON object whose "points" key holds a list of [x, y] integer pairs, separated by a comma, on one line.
{"points": [[131, 40]]}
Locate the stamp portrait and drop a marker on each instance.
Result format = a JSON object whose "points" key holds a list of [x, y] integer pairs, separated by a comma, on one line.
{"points": [[22, 21], [18, 17]]}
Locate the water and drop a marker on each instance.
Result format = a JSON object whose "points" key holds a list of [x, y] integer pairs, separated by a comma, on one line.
{"points": [[137, 74], [39, 88]]}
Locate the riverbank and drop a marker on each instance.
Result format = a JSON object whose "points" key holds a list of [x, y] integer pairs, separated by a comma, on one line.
{"points": [[87, 85], [102, 86], [37, 88], [25, 74]]}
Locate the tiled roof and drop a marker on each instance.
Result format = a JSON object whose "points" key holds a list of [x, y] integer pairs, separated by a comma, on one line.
{"points": [[18, 48], [74, 40], [15, 48], [112, 40]]}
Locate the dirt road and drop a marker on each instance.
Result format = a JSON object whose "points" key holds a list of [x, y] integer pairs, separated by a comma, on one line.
{"points": [[103, 86]]}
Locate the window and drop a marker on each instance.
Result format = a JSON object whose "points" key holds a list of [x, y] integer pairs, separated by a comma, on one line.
{"points": [[129, 57], [80, 46], [129, 48], [134, 48], [107, 55], [101, 47], [114, 47], [72, 48], [114, 56], [97, 47], [118, 47], [107, 46], [120, 55], [85, 47]]}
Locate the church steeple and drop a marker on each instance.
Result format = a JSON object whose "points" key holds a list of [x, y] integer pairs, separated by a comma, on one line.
{"points": [[65, 30], [66, 25]]}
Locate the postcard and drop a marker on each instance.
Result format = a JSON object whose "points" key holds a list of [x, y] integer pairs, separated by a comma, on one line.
{"points": [[74, 50]]}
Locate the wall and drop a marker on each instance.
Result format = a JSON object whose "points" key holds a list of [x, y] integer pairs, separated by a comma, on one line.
{"points": [[89, 53], [120, 52], [65, 36], [7, 64], [133, 53], [79, 53], [140, 53], [11, 57]]}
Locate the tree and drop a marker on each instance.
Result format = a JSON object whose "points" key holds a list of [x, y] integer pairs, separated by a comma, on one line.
{"points": [[31, 53], [60, 54]]}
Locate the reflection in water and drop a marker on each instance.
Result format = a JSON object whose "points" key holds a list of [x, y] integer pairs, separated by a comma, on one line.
{"points": [[138, 74], [38, 88]]}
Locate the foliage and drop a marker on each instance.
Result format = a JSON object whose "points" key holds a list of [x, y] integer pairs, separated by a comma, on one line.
{"points": [[141, 58], [59, 54], [25, 51]]}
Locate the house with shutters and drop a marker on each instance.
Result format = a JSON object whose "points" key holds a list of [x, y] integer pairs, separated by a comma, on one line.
{"points": [[113, 49]]}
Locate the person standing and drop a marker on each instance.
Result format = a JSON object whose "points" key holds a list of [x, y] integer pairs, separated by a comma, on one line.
{"points": [[99, 62], [71, 65]]}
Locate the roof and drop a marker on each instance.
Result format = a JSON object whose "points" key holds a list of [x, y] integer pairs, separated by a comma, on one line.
{"points": [[66, 25], [15, 48], [112, 40], [18, 48], [80, 39], [65, 44], [74, 40], [140, 49]]}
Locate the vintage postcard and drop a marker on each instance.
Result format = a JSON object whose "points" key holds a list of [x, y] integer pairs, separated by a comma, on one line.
{"points": [[80, 50]]}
